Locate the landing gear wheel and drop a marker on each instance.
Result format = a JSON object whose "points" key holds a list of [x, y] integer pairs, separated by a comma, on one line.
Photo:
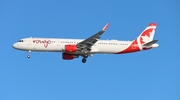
{"points": [[84, 60], [28, 56]]}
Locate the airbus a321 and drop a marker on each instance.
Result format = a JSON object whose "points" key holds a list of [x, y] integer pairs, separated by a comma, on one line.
{"points": [[73, 48]]}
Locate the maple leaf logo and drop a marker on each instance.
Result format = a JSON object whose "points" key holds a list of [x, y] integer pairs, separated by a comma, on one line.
{"points": [[145, 39], [146, 36]]}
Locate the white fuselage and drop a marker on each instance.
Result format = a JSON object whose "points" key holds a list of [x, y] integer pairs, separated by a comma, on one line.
{"points": [[58, 45]]}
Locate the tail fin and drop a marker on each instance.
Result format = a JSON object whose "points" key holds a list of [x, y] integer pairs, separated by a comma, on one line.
{"points": [[148, 34], [144, 41]]}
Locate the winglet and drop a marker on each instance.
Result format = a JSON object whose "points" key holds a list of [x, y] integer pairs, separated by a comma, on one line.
{"points": [[106, 26]]}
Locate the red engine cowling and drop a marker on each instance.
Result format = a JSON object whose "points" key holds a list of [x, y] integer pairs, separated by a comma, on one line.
{"points": [[67, 56], [70, 48]]}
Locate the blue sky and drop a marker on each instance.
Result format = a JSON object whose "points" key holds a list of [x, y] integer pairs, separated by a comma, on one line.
{"points": [[147, 75]]}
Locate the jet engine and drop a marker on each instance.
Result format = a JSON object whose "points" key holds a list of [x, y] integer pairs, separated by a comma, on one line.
{"points": [[70, 48], [67, 56]]}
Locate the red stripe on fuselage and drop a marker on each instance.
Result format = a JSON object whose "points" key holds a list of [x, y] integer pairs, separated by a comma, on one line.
{"points": [[132, 48]]}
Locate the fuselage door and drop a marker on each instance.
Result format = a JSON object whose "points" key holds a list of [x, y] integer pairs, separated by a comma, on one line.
{"points": [[29, 42], [58, 44]]}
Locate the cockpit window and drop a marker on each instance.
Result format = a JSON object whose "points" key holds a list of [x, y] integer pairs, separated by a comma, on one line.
{"points": [[20, 41]]}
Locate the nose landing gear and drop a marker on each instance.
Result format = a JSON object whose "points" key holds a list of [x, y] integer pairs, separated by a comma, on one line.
{"points": [[28, 56], [29, 52]]}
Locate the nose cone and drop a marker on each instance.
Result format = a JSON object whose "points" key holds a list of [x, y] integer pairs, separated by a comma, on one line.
{"points": [[15, 45]]}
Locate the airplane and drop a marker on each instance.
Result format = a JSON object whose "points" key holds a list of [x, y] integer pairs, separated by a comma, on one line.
{"points": [[73, 48]]}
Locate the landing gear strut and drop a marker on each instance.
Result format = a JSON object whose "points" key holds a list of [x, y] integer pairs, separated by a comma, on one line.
{"points": [[85, 56], [28, 56]]}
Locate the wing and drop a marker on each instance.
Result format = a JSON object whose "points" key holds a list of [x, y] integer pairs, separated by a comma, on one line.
{"points": [[85, 46]]}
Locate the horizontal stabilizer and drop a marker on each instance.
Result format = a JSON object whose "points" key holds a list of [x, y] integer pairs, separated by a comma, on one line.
{"points": [[150, 43]]}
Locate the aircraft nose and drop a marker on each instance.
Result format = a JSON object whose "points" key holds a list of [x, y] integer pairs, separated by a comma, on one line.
{"points": [[15, 45]]}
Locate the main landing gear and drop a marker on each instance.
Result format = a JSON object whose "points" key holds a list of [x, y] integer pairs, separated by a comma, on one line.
{"points": [[84, 58], [29, 52]]}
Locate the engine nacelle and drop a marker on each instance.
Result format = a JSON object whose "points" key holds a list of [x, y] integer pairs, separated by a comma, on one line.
{"points": [[67, 56], [70, 48]]}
